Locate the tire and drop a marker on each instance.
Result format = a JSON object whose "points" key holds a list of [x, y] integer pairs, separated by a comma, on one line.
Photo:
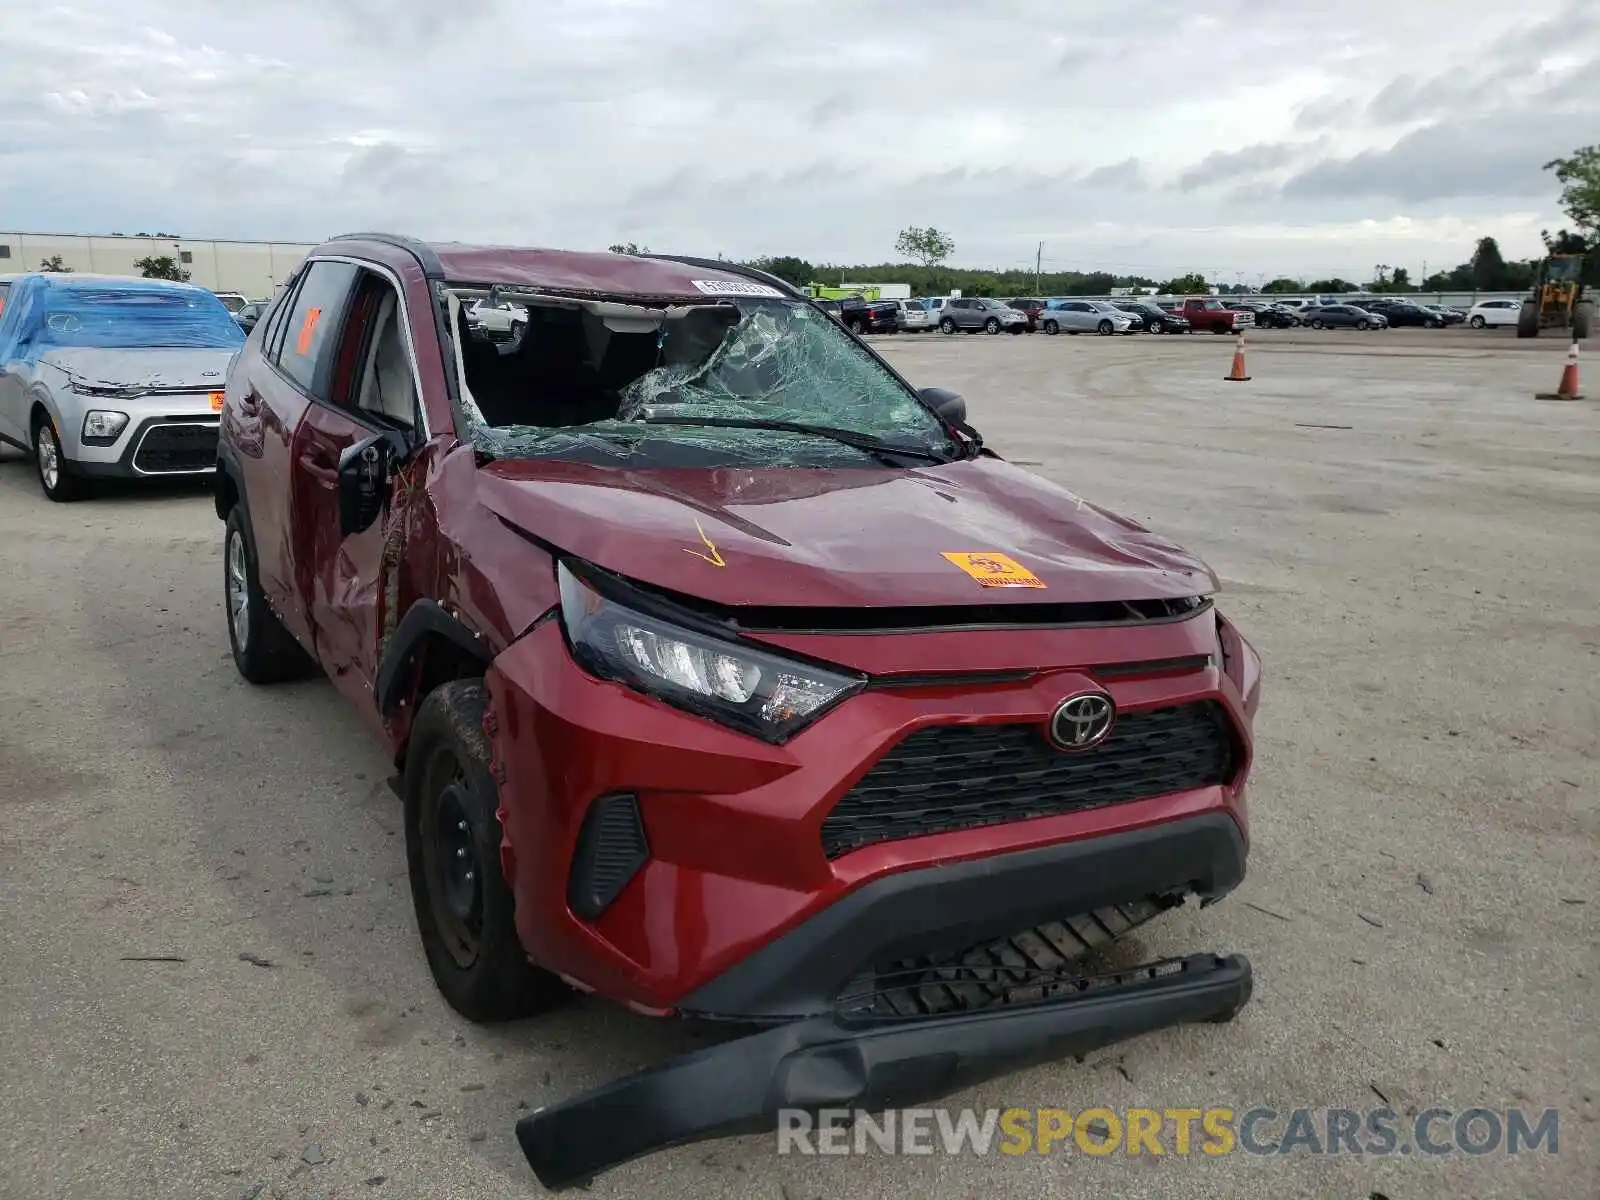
{"points": [[1103, 329], [50, 464], [947, 326], [1052, 328], [1317, 324], [1219, 330], [466, 915], [1582, 320], [1527, 321], [992, 325], [263, 650], [1476, 322], [1363, 324]]}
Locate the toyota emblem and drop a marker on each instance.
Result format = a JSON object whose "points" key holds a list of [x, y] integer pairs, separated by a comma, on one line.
{"points": [[1083, 721]]}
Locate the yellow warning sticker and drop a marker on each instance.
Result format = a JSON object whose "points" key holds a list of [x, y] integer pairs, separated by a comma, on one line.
{"points": [[994, 570]]}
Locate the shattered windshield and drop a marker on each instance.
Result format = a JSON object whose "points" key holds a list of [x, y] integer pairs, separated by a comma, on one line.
{"points": [[750, 381]]}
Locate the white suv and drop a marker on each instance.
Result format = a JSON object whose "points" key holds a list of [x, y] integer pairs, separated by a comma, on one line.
{"points": [[1494, 312]]}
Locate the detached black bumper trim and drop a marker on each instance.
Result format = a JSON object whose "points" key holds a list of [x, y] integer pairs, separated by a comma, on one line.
{"points": [[825, 1062]]}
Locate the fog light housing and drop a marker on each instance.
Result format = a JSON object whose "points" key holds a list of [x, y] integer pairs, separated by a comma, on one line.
{"points": [[101, 428]]}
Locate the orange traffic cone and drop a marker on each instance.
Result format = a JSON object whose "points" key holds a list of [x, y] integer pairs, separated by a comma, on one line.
{"points": [[1569, 380], [1237, 375]]}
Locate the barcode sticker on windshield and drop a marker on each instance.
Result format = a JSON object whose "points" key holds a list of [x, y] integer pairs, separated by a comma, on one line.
{"points": [[734, 287]]}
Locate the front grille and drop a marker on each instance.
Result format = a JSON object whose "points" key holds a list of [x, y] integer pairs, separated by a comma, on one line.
{"points": [[964, 776], [170, 448]]}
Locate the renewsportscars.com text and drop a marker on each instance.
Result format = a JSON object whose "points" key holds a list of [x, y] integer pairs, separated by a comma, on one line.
{"points": [[1215, 1131]]}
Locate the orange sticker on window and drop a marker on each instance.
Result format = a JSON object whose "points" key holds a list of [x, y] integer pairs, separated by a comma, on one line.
{"points": [[302, 345], [994, 570]]}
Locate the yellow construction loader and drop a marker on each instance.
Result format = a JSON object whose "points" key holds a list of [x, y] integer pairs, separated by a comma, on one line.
{"points": [[1558, 300]]}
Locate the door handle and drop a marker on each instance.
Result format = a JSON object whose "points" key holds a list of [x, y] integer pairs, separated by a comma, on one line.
{"points": [[321, 469]]}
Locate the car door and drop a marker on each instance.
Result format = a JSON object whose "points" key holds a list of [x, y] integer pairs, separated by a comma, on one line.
{"points": [[1079, 315], [372, 388], [270, 393]]}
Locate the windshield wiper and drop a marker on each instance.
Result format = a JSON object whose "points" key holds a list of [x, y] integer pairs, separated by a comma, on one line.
{"points": [[846, 437]]}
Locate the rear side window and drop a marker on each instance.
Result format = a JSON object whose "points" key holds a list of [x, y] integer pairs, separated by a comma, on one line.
{"points": [[311, 332]]}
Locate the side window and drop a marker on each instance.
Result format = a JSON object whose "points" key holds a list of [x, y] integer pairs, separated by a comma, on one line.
{"points": [[385, 389], [311, 332]]}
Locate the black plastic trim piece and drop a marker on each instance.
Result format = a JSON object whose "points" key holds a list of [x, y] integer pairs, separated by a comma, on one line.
{"points": [[426, 258], [611, 850], [955, 905], [1190, 662], [953, 679], [742, 1085], [423, 618]]}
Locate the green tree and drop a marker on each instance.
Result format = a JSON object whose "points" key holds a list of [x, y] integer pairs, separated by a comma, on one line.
{"points": [[56, 265], [1579, 175], [162, 266], [982, 285], [628, 248], [1186, 285], [1331, 287], [929, 246], [1488, 266], [788, 268], [1282, 286], [1563, 241], [1400, 281]]}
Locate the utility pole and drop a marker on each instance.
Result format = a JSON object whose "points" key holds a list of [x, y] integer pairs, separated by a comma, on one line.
{"points": [[1038, 262]]}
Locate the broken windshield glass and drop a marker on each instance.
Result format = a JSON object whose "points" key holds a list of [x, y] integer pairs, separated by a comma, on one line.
{"points": [[582, 381]]}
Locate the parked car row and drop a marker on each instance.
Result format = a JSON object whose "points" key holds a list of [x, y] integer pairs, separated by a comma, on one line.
{"points": [[1141, 314]]}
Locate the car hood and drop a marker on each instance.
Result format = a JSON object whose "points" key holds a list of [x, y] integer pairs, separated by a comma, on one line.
{"points": [[145, 369], [795, 537]]}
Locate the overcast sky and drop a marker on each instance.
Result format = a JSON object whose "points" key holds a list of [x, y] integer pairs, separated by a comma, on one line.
{"points": [[1234, 139]]}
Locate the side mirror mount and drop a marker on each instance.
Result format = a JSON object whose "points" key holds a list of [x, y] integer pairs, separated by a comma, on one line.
{"points": [[365, 471], [947, 405]]}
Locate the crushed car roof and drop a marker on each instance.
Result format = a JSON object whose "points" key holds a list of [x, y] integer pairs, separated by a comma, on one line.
{"points": [[581, 271]]}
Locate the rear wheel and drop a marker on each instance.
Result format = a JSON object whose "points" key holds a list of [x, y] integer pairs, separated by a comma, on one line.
{"points": [[1583, 320], [263, 650], [1528, 322], [992, 325], [1052, 328], [465, 911], [50, 464]]}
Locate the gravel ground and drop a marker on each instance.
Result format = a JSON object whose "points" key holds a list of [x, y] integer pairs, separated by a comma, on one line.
{"points": [[1410, 539]]}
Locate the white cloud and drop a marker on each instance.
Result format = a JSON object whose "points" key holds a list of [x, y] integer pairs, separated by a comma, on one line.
{"points": [[1162, 137]]}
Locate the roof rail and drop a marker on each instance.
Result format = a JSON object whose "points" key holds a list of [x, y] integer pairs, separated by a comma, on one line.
{"points": [[421, 251], [717, 264]]}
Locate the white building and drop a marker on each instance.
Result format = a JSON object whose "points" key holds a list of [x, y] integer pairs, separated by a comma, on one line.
{"points": [[254, 269]]}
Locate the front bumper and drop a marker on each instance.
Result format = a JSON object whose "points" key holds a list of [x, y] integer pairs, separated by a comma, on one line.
{"points": [[838, 1062], [157, 446]]}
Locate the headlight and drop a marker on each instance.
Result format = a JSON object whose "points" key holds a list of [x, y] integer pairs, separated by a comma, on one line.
{"points": [[103, 426], [734, 683]]}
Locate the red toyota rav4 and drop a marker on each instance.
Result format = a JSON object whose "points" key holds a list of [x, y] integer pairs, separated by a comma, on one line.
{"points": [[727, 675]]}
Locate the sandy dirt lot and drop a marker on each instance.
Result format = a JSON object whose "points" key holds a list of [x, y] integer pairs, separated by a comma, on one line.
{"points": [[1411, 540]]}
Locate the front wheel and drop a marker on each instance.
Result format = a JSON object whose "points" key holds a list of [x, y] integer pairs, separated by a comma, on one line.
{"points": [[1052, 328], [50, 463], [992, 325], [1582, 320], [466, 914], [1103, 329], [263, 650], [947, 326], [1363, 324]]}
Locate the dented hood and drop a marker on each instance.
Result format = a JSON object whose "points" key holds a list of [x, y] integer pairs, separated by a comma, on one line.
{"points": [[791, 537], [145, 369]]}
